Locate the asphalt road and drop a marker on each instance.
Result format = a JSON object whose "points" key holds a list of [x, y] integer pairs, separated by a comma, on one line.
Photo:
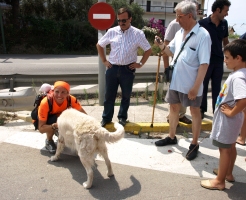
{"points": [[61, 64], [58, 64]]}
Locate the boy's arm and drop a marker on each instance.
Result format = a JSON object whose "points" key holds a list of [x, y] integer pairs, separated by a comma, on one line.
{"points": [[231, 112]]}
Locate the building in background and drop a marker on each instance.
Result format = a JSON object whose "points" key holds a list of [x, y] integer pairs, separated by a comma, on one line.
{"points": [[164, 9]]}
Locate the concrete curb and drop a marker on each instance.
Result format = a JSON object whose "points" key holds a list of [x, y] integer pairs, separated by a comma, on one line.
{"points": [[133, 127], [137, 128]]}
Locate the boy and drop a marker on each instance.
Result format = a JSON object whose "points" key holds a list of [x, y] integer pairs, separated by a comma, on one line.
{"points": [[228, 116]]}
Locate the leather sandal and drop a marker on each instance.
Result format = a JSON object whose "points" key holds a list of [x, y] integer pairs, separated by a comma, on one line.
{"points": [[215, 171], [185, 120], [207, 184]]}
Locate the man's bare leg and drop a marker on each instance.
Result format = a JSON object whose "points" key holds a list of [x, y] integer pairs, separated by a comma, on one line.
{"points": [[196, 124], [196, 128], [173, 119]]}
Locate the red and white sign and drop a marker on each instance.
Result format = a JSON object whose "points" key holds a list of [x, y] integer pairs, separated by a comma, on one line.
{"points": [[101, 16]]}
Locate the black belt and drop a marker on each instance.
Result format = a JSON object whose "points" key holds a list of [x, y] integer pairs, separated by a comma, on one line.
{"points": [[122, 65]]}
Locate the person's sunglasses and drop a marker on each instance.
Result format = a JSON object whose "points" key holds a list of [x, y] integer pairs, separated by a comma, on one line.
{"points": [[122, 20], [181, 15]]}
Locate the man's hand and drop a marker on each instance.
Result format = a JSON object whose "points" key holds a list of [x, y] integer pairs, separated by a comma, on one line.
{"points": [[107, 64], [192, 93], [158, 41], [134, 66]]}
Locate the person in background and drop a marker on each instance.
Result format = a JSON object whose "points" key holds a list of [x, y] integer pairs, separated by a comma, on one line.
{"points": [[243, 36], [121, 65], [228, 116], [172, 28], [242, 137], [189, 71], [217, 27], [61, 100]]}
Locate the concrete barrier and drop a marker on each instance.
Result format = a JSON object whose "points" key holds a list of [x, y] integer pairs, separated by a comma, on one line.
{"points": [[21, 99]]}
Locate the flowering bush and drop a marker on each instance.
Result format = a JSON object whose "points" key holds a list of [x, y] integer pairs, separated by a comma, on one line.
{"points": [[150, 33], [157, 24], [153, 28]]}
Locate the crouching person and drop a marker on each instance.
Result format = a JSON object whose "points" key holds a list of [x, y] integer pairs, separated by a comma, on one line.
{"points": [[51, 107]]}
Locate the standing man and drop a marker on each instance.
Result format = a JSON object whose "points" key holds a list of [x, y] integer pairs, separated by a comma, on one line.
{"points": [[170, 32], [122, 63], [189, 71], [217, 27]]}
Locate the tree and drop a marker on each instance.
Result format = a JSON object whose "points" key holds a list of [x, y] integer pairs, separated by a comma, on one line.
{"points": [[137, 11], [15, 11]]}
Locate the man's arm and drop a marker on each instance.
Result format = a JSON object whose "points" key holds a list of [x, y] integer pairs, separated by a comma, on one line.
{"points": [[199, 80], [102, 55], [225, 41], [143, 60], [146, 56], [165, 49], [82, 110], [165, 56]]}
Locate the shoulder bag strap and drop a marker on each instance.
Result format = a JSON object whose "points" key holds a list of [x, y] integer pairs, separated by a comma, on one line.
{"points": [[182, 48]]}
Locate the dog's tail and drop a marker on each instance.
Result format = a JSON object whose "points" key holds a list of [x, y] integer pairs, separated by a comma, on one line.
{"points": [[112, 137]]}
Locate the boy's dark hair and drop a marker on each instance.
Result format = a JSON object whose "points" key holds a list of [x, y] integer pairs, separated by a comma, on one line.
{"points": [[123, 10], [220, 4], [237, 47]]}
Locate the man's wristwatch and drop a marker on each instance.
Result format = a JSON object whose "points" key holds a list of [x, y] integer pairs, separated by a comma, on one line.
{"points": [[141, 64]]}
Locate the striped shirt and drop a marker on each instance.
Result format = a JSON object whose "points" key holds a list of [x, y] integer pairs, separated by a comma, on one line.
{"points": [[124, 45]]}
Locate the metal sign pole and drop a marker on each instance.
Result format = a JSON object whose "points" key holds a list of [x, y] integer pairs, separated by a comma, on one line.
{"points": [[2, 31], [102, 69], [101, 75]]}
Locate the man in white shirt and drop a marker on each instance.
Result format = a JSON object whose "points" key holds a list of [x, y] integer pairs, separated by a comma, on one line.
{"points": [[122, 63], [170, 32], [189, 71]]}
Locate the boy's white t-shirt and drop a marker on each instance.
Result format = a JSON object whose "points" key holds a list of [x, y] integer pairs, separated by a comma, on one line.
{"points": [[226, 129]]}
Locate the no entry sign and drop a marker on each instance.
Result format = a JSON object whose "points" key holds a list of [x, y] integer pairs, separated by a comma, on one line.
{"points": [[101, 16]]}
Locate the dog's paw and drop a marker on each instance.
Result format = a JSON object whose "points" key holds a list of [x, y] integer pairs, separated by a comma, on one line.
{"points": [[86, 185], [54, 158], [110, 174]]}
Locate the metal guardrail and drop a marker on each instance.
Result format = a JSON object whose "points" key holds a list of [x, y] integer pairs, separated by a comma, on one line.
{"points": [[73, 79], [19, 80]]}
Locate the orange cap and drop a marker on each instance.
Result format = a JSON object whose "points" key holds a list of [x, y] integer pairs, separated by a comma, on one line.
{"points": [[62, 84]]}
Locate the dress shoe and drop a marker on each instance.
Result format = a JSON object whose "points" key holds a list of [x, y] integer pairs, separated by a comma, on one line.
{"points": [[122, 121], [192, 153], [166, 141], [103, 123]]}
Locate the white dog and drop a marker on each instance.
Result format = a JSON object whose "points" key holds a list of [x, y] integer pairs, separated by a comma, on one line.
{"points": [[84, 134]]}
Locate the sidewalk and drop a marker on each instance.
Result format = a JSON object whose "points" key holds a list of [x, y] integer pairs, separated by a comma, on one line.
{"points": [[142, 118], [142, 170]]}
